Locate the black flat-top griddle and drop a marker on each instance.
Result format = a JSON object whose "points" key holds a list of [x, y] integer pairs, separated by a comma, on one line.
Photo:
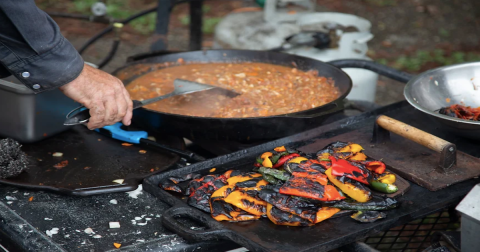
{"points": [[263, 235], [94, 161]]}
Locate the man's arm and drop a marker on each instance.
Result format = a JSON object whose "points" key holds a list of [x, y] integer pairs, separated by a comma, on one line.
{"points": [[33, 50]]}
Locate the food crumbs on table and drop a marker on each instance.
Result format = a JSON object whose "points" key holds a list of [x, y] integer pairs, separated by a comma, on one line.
{"points": [[44, 134], [117, 245], [127, 144], [61, 164], [87, 168], [57, 154], [213, 169], [30, 199], [40, 160], [99, 139], [142, 151], [447, 100], [151, 170]]}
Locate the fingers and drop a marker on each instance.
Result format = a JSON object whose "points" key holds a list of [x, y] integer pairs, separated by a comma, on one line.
{"points": [[127, 119], [111, 108], [97, 115]]}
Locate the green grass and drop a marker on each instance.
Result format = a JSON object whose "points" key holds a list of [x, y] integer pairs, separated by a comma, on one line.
{"points": [[118, 9], [209, 23], [438, 56]]}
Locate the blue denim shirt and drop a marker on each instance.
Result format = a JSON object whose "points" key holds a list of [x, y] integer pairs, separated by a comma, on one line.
{"points": [[33, 49]]}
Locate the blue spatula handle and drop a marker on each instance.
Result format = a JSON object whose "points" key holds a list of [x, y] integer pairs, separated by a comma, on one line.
{"points": [[116, 132]]}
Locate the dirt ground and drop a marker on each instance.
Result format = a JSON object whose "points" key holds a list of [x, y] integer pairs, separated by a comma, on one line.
{"points": [[406, 32]]}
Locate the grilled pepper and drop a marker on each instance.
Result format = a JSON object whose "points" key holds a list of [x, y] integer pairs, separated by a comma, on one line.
{"points": [[246, 202], [252, 184], [267, 162], [349, 189], [282, 175], [269, 178], [387, 178], [373, 205], [375, 166], [280, 217], [310, 185], [382, 187], [310, 165], [243, 177], [353, 148], [280, 149], [341, 167], [358, 157], [285, 158], [221, 210], [298, 206], [266, 154]]}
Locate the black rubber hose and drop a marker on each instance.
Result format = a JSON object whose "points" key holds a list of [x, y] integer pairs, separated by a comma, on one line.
{"points": [[68, 15], [110, 55], [126, 21], [110, 28], [375, 67]]}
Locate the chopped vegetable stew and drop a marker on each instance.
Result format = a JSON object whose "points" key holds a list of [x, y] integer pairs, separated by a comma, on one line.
{"points": [[265, 89]]}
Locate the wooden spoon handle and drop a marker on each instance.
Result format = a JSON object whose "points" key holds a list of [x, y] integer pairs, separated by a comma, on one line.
{"points": [[419, 136]]}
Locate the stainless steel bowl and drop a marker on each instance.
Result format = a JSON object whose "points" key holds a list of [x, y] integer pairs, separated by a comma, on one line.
{"points": [[444, 86]]}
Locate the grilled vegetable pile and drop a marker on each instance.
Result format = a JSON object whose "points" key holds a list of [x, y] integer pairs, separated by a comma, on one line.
{"points": [[294, 189]]}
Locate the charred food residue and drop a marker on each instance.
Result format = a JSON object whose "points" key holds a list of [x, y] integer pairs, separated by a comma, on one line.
{"points": [[12, 159]]}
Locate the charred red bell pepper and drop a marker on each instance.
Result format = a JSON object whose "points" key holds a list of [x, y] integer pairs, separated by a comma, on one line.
{"points": [[284, 159], [341, 167], [310, 185], [376, 166]]}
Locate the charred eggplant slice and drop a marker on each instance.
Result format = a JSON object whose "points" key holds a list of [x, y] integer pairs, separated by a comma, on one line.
{"points": [[368, 216]]}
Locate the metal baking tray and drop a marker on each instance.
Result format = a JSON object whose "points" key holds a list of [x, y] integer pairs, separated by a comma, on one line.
{"points": [[28, 117]]}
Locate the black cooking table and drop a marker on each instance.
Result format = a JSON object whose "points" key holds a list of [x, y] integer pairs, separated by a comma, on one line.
{"points": [[24, 223]]}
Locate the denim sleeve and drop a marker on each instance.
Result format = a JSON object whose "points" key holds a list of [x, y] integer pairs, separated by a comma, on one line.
{"points": [[33, 49]]}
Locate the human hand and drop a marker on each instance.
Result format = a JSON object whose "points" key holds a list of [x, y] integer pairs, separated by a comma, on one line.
{"points": [[103, 94]]}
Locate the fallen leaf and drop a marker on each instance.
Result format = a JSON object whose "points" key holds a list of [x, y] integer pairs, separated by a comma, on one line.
{"points": [[117, 245], [447, 100], [127, 144]]}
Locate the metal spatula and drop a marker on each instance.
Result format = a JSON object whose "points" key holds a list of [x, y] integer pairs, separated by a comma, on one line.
{"points": [[81, 115]]}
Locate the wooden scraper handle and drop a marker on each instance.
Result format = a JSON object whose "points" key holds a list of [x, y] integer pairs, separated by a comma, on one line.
{"points": [[446, 149]]}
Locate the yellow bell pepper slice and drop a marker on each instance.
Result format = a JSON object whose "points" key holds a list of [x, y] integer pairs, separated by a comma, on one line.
{"points": [[266, 154], [349, 189], [354, 148], [267, 163], [280, 149]]}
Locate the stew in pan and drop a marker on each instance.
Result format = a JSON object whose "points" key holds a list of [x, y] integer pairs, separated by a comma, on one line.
{"points": [[265, 89]]}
